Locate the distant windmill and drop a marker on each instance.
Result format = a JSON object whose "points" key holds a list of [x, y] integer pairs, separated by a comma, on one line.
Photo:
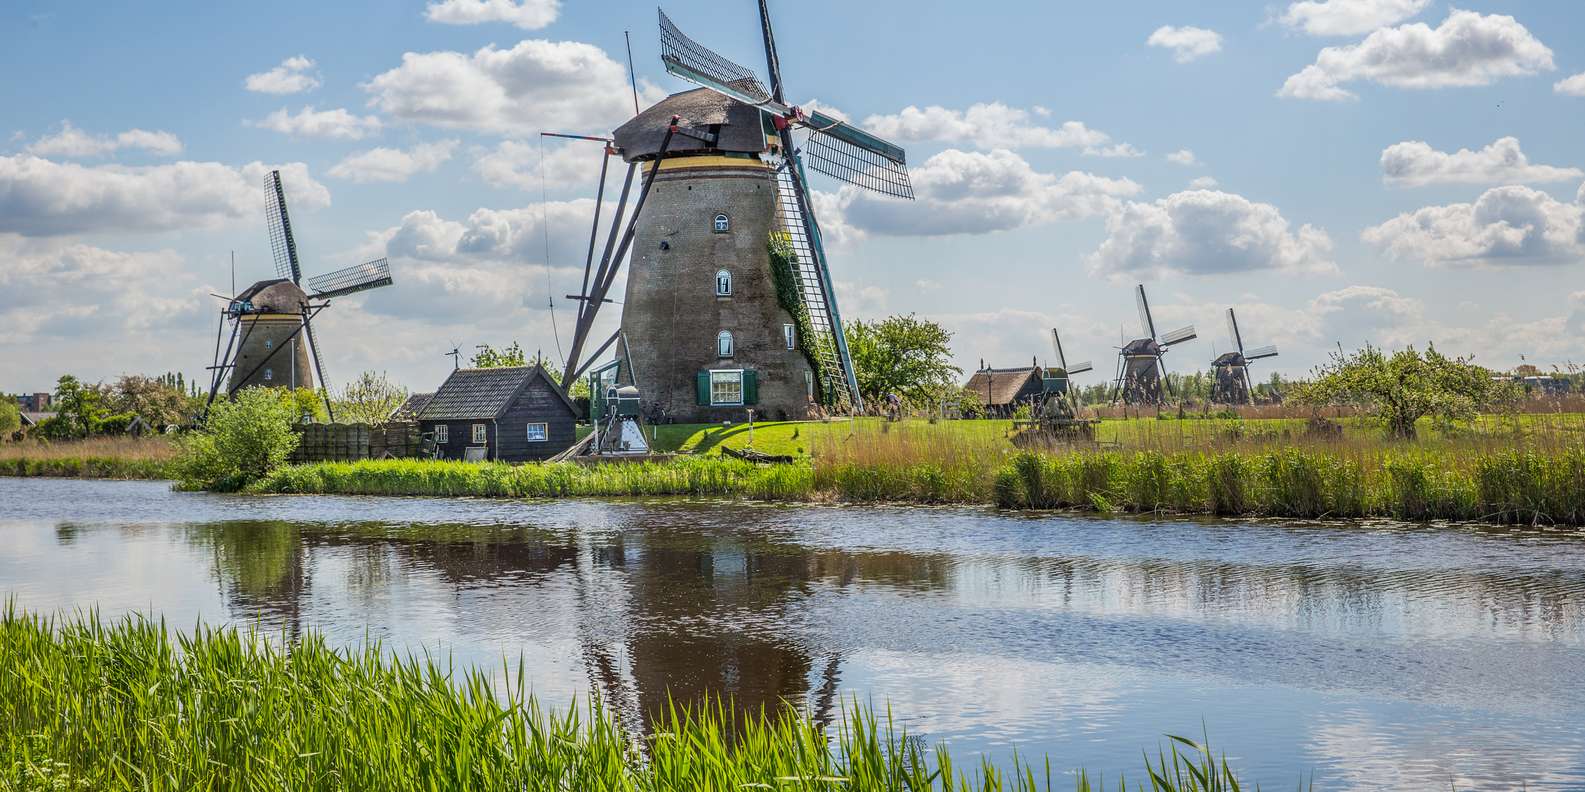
{"points": [[276, 315], [1232, 384], [1141, 372], [456, 356]]}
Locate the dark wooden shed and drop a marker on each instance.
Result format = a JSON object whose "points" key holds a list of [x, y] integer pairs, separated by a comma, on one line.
{"points": [[510, 414]]}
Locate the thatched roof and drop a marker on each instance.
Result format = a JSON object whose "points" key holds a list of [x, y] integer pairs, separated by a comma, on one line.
{"points": [[699, 110], [1004, 384], [273, 296]]}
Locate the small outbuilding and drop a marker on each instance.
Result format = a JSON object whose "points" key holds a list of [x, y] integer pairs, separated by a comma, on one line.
{"points": [[508, 414], [1002, 390]]}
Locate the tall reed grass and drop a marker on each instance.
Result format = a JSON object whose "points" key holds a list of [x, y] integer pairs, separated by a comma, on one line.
{"points": [[133, 705], [95, 457]]}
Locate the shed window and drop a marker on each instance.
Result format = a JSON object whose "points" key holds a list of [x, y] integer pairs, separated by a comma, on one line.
{"points": [[723, 283], [269, 374], [480, 435], [723, 343], [538, 432], [723, 224], [442, 433], [790, 334], [726, 387]]}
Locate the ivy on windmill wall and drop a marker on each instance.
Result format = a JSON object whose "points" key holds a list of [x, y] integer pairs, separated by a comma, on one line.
{"points": [[784, 271]]}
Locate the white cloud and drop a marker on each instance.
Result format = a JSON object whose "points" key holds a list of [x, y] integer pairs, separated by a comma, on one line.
{"points": [[925, 284], [516, 164], [39, 197], [1202, 232], [1183, 157], [1506, 225], [292, 76], [65, 289], [1466, 49], [393, 165], [1187, 43], [1571, 86], [966, 192], [1203, 183], [70, 141], [988, 126], [533, 86], [526, 14], [1348, 17], [337, 124], [1413, 163]]}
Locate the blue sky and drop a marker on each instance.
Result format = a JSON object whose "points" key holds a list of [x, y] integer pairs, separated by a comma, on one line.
{"points": [[1392, 171]]}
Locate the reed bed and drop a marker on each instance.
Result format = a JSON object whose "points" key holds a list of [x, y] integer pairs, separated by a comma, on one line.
{"points": [[96, 457], [131, 704]]}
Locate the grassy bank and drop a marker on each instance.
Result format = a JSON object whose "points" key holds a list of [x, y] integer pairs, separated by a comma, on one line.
{"points": [[99, 457], [131, 705]]}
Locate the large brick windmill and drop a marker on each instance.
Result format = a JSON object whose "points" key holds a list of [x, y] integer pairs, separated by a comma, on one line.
{"points": [[1141, 371], [729, 301], [272, 334]]}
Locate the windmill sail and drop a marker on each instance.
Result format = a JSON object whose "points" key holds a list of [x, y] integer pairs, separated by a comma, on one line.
{"points": [[1232, 331], [1179, 336], [1056, 343], [279, 225], [1080, 368], [1146, 324], [361, 277], [843, 151], [829, 346], [696, 63], [1261, 352]]}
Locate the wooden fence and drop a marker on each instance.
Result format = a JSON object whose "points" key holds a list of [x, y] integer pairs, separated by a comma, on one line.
{"points": [[351, 442]]}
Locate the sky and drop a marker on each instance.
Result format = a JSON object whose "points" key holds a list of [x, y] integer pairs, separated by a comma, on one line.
{"points": [[1341, 172]]}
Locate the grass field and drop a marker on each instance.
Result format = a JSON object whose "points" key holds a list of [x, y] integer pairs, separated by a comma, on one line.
{"points": [[132, 705]]}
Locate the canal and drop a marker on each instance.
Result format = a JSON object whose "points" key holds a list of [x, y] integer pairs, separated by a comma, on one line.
{"points": [[1366, 656]]}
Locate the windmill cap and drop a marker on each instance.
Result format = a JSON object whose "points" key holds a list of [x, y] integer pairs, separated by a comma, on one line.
{"points": [[700, 112], [278, 295]]}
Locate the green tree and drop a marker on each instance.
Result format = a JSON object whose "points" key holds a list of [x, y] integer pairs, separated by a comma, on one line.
{"points": [[79, 409], [243, 441], [370, 399], [10, 417], [489, 357], [1403, 387], [158, 400], [904, 355]]}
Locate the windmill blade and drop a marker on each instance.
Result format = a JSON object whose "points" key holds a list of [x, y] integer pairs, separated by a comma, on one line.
{"points": [[362, 277], [845, 152], [1056, 343], [696, 63], [279, 225], [1179, 336], [1080, 368], [1232, 330], [1261, 352], [1145, 322]]}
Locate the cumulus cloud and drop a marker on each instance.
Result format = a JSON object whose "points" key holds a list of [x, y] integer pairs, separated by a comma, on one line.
{"points": [[292, 76], [970, 192], [1204, 232], [69, 141], [1183, 157], [987, 126], [337, 124], [1466, 49], [40, 197], [526, 14], [1571, 86], [1414, 163], [393, 165], [1187, 43], [1510, 225], [1203, 183], [1348, 17], [66, 289], [535, 85], [516, 164]]}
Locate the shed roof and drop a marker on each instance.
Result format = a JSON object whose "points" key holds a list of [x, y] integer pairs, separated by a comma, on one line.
{"points": [[31, 418], [410, 409], [484, 393], [740, 126], [1004, 384]]}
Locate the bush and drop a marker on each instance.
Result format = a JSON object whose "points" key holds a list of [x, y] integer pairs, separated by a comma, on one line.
{"points": [[244, 441]]}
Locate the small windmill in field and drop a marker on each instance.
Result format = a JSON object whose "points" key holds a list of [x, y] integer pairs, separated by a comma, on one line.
{"points": [[272, 337], [1064, 372], [1141, 371], [1232, 384]]}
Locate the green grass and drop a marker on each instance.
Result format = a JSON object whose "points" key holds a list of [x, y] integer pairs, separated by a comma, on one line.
{"points": [[132, 705], [100, 457]]}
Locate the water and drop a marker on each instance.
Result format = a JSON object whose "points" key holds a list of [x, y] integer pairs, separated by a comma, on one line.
{"points": [[1375, 656]]}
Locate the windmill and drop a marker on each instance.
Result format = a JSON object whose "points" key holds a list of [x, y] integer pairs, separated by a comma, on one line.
{"points": [[729, 300], [272, 335], [1058, 381], [1232, 384], [1141, 371]]}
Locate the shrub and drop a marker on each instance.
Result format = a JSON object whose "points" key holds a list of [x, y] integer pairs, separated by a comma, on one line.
{"points": [[243, 441]]}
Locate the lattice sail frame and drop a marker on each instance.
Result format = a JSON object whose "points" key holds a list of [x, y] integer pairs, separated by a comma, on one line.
{"points": [[279, 225], [349, 280], [695, 62]]}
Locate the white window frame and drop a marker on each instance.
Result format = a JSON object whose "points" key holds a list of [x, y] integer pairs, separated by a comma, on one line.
{"points": [[722, 223], [544, 433], [442, 433], [809, 384], [481, 434], [789, 333], [724, 373], [725, 344], [723, 283]]}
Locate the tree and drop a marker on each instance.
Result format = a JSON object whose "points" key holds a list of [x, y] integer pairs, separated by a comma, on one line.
{"points": [[79, 409], [159, 401], [370, 399], [903, 355], [243, 441], [1401, 388], [489, 357], [10, 417]]}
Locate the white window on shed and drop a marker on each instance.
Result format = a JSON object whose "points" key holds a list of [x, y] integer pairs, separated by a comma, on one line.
{"points": [[538, 432], [726, 387], [480, 434], [723, 283], [442, 433], [723, 224], [723, 343]]}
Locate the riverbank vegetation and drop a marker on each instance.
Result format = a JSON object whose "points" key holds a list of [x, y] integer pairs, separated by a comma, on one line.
{"points": [[131, 704], [120, 457]]}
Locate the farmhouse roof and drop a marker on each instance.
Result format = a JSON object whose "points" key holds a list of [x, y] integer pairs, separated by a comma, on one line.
{"points": [[1004, 384], [701, 112], [484, 392], [410, 409]]}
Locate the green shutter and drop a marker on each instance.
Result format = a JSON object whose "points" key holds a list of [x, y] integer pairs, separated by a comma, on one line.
{"points": [[704, 388], [750, 387]]}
